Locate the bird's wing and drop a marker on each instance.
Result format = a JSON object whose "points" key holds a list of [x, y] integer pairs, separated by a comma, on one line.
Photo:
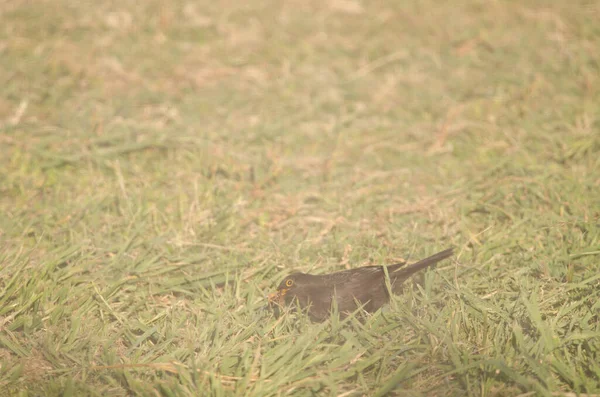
{"points": [[352, 276], [356, 284]]}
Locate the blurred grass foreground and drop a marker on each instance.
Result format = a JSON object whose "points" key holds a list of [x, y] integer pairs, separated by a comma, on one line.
{"points": [[164, 164]]}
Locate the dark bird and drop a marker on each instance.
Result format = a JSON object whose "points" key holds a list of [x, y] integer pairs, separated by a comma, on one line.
{"points": [[351, 289]]}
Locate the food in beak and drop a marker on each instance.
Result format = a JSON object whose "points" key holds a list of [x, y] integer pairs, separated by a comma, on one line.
{"points": [[277, 297], [273, 297]]}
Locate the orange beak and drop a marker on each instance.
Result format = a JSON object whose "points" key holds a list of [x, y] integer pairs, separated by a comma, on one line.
{"points": [[277, 297]]}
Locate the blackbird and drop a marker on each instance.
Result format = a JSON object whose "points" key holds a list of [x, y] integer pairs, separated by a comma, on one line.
{"points": [[351, 289]]}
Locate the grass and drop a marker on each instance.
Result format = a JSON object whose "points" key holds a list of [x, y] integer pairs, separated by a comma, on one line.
{"points": [[164, 165]]}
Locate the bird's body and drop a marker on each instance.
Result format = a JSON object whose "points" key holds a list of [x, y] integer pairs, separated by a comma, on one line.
{"points": [[362, 287]]}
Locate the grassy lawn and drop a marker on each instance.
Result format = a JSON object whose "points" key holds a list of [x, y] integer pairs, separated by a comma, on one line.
{"points": [[163, 165]]}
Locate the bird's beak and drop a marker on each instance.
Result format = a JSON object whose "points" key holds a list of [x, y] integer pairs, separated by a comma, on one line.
{"points": [[277, 297]]}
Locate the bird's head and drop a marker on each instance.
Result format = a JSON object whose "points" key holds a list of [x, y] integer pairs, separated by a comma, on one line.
{"points": [[289, 288]]}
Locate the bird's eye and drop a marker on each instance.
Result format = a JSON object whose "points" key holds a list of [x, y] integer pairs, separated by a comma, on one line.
{"points": [[289, 282]]}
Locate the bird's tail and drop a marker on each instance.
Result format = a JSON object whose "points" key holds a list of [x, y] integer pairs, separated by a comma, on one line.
{"points": [[399, 273]]}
